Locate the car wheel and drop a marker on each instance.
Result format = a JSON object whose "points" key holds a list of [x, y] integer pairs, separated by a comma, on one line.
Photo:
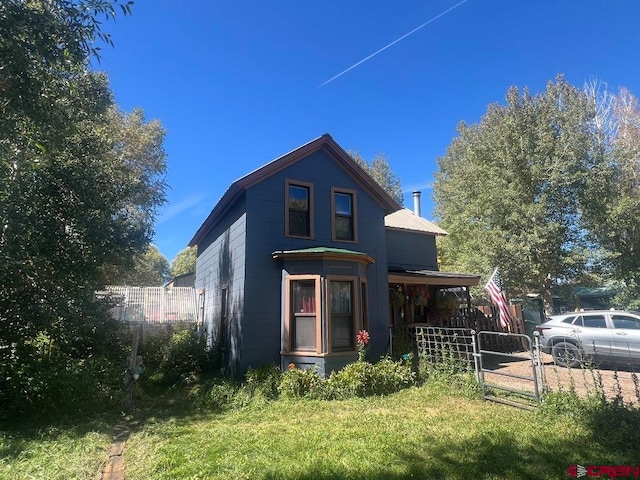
{"points": [[566, 354]]}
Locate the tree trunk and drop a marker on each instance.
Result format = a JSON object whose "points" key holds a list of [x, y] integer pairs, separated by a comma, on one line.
{"points": [[547, 299]]}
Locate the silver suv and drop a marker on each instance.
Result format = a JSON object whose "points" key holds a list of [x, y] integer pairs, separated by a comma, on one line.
{"points": [[596, 335]]}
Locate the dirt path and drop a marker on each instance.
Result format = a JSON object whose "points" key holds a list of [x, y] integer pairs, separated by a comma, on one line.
{"points": [[114, 470]]}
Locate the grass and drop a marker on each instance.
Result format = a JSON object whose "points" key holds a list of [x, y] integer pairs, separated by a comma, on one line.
{"points": [[64, 451], [433, 431], [418, 433]]}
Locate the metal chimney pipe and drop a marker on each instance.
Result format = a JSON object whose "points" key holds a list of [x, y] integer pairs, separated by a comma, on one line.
{"points": [[416, 202]]}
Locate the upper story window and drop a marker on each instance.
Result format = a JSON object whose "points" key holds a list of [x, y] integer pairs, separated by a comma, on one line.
{"points": [[344, 215], [299, 209]]}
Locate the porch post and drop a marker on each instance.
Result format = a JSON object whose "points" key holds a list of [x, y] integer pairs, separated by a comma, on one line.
{"points": [[469, 309]]}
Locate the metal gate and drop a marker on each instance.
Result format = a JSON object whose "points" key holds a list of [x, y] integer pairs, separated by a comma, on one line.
{"points": [[531, 354]]}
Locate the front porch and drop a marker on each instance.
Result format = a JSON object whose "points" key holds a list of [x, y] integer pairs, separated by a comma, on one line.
{"points": [[424, 298]]}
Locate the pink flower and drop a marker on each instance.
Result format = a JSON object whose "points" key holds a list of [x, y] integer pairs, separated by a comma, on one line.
{"points": [[362, 337]]}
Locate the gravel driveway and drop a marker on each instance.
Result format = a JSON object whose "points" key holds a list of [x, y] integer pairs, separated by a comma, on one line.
{"points": [[611, 380]]}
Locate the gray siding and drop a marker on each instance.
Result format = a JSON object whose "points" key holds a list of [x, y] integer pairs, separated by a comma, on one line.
{"points": [[221, 262], [411, 250], [265, 234]]}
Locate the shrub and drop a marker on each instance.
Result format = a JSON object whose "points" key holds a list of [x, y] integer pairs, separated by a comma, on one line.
{"points": [[64, 386], [354, 380], [218, 395], [298, 382], [264, 381], [393, 376], [178, 357], [361, 379]]}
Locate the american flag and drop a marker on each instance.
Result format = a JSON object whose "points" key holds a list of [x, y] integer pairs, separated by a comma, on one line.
{"points": [[497, 296]]}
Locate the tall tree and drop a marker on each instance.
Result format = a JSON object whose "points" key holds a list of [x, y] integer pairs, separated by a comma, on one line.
{"points": [[612, 189], [80, 183], [380, 170], [148, 269], [506, 190], [185, 262]]}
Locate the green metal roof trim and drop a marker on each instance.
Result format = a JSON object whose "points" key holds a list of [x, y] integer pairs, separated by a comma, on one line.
{"points": [[323, 252], [343, 251]]}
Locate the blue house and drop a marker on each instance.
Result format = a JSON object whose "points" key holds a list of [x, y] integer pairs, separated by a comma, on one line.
{"points": [[301, 254]]}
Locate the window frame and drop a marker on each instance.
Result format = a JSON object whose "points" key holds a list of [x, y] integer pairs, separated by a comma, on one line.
{"points": [[309, 186], [580, 320], [355, 312], [354, 214], [290, 316], [624, 317], [364, 306]]}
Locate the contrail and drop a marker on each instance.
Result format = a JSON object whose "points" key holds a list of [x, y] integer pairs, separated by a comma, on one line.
{"points": [[392, 43]]}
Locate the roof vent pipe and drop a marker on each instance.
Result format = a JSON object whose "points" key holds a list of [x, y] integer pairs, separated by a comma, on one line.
{"points": [[416, 202]]}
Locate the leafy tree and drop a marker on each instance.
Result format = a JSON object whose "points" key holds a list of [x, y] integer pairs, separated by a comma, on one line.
{"points": [[612, 190], [506, 190], [185, 262], [380, 170], [80, 183], [149, 269]]}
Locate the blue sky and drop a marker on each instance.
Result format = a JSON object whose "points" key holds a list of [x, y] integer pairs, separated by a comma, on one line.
{"points": [[238, 83]]}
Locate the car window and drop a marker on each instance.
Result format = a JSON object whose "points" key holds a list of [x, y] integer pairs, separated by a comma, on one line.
{"points": [[623, 321], [591, 321], [568, 320]]}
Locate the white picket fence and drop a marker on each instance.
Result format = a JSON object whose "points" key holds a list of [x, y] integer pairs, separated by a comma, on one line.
{"points": [[153, 305]]}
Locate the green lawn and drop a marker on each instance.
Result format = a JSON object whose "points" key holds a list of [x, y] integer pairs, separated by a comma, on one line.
{"points": [[60, 452], [417, 433]]}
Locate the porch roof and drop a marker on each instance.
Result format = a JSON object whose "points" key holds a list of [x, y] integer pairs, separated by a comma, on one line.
{"points": [[433, 277]]}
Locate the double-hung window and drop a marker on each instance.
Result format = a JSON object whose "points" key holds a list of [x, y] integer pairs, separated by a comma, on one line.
{"points": [[342, 323], [344, 215], [299, 209], [303, 316]]}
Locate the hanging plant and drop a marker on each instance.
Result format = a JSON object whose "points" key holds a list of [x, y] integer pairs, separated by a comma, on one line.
{"points": [[396, 298], [447, 306], [419, 294]]}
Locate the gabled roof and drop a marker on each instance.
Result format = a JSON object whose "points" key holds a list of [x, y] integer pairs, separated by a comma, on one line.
{"points": [[405, 219], [326, 143]]}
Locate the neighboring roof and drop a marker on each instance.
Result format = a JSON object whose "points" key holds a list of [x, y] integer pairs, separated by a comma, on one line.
{"points": [[326, 143], [324, 252], [596, 292], [188, 277], [406, 219], [432, 277]]}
